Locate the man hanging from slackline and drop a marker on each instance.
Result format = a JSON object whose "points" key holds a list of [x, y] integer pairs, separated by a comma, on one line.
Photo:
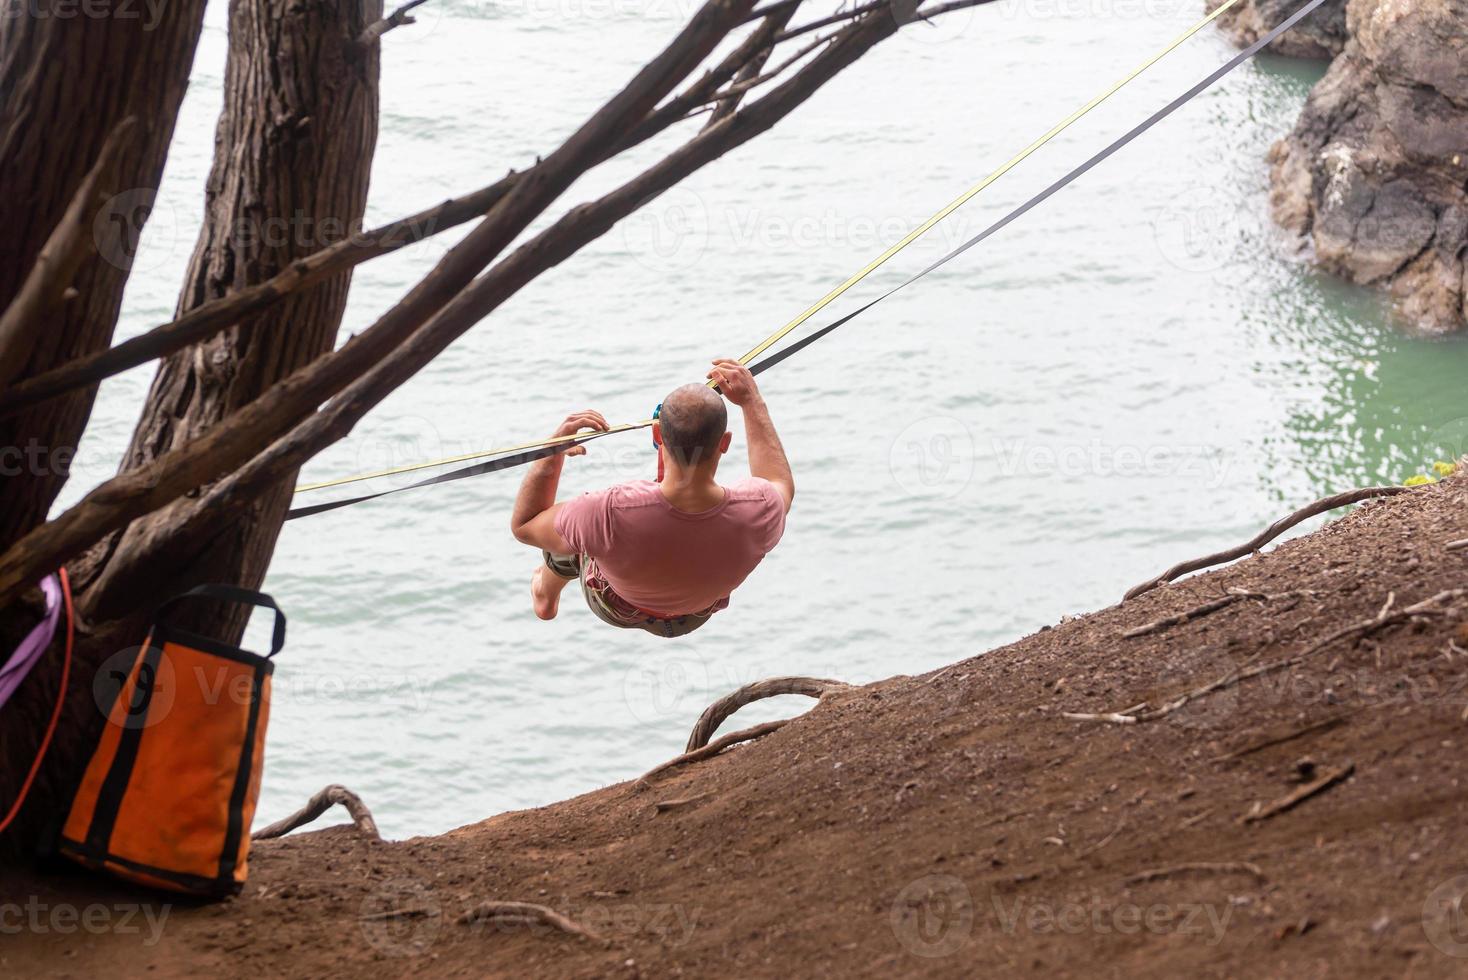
{"points": [[662, 557]]}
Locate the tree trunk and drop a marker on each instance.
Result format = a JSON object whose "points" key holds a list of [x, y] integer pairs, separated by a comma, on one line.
{"points": [[293, 152], [68, 77]]}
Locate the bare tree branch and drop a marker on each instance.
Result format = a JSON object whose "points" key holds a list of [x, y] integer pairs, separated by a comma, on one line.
{"points": [[773, 24], [211, 318], [68, 246], [235, 440], [438, 310], [398, 18], [715, 714]]}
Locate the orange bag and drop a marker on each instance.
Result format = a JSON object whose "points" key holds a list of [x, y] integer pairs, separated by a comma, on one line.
{"points": [[168, 797]]}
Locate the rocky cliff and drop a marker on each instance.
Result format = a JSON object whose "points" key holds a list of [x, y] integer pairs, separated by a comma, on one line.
{"points": [[1321, 35], [1375, 174]]}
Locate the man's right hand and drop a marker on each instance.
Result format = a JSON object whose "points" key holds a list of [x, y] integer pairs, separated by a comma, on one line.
{"points": [[577, 422], [735, 382]]}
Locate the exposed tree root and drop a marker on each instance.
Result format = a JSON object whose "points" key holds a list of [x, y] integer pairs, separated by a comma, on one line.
{"points": [[1386, 617], [525, 914], [319, 804], [1267, 535], [714, 715], [1300, 795], [1212, 606], [712, 749], [1198, 867]]}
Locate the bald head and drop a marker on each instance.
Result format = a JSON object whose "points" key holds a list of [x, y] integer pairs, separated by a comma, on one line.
{"points": [[693, 421]]}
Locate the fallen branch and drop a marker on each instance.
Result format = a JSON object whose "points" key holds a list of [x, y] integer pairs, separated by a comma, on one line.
{"points": [[1273, 531], [525, 914], [712, 749], [1300, 795], [1271, 742], [1198, 867], [663, 806], [715, 714], [319, 804], [398, 18]]}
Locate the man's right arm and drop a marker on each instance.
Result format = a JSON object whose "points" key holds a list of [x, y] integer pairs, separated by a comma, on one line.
{"points": [[766, 456]]}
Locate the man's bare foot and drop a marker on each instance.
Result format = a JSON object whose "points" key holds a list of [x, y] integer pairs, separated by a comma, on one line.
{"points": [[545, 592]]}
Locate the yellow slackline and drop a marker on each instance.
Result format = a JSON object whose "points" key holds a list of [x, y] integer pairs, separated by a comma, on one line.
{"points": [[836, 293]]}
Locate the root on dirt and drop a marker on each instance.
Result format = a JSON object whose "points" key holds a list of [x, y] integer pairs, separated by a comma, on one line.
{"points": [[1386, 617], [1212, 606], [525, 914], [319, 804], [715, 714], [1267, 535], [712, 749]]}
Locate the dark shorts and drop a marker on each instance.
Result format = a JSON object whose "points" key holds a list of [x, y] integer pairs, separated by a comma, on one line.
{"points": [[611, 608]]}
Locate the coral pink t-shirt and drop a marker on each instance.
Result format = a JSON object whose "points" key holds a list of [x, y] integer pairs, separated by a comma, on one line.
{"points": [[669, 561]]}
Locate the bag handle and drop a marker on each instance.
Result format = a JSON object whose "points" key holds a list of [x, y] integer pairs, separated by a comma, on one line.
{"points": [[233, 593]]}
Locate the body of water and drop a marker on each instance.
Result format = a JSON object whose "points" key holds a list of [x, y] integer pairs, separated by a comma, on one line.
{"points": [[1137, 372]]}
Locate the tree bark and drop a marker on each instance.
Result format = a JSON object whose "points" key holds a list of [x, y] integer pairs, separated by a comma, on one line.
{"points": [[293, 153], [296, 139], [69, 74]]}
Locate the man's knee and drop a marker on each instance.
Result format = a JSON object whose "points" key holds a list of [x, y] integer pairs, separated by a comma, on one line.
{"points": [[566, 566]]}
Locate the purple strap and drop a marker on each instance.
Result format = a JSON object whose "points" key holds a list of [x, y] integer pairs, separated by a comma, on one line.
{"points": [[25, 656]]}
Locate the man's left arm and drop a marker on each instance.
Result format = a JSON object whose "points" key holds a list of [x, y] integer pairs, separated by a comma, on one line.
{"points": [[533, 520]]}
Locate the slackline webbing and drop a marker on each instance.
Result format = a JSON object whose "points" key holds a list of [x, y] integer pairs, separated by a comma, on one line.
{"points": [[534, 451]]}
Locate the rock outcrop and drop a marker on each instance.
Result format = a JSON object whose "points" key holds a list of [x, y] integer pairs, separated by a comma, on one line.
{"points": [[1375, 173], [1321, 35]]}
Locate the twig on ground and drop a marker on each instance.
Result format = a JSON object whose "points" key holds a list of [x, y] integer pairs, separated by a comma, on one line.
{"points": [[417, 912], [1198, 867], [715, 714], [1273, 531], [1386, 617], [1300, 795], [1212, 606], [1105, 840], [1458, 545], [663, 806], [712, 749], [319, 804], [523, 914], [1272, 741]]}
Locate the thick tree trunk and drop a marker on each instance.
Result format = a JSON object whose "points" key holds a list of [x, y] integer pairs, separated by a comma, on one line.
{"points": [[68, 74], [295, 141], [293, 152]]}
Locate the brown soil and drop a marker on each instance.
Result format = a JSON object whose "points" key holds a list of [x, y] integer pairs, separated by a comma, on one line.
{"points": [[954, 824]]}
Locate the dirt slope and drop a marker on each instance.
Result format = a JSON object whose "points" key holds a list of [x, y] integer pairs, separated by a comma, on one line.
{"points": [[955, 824]]}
